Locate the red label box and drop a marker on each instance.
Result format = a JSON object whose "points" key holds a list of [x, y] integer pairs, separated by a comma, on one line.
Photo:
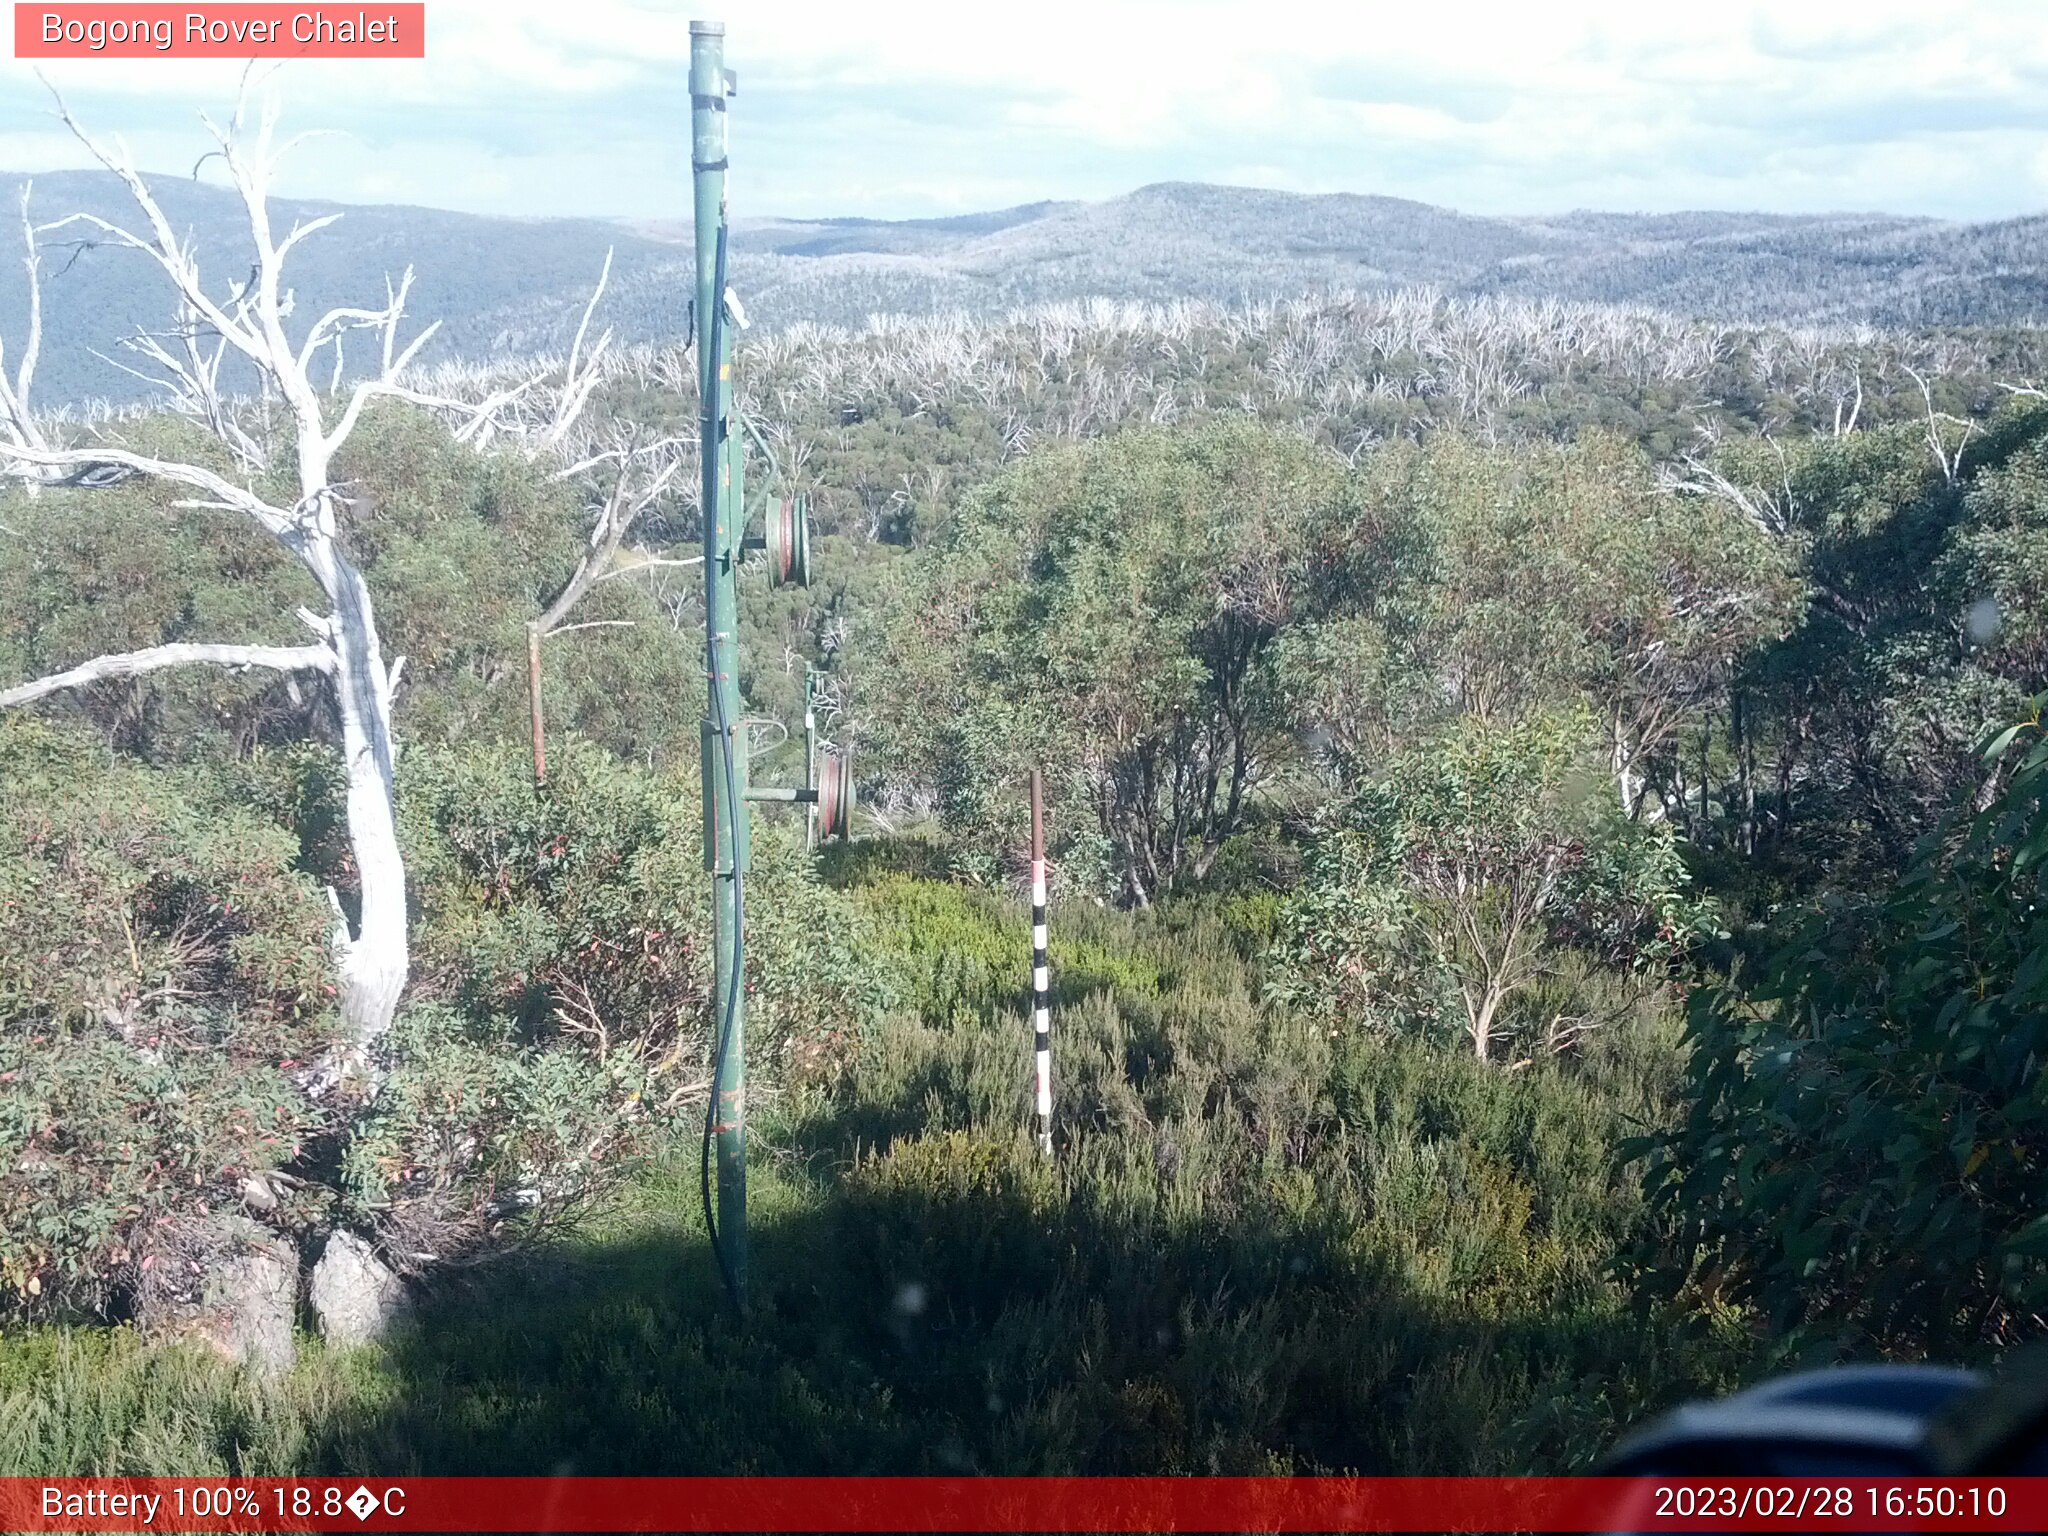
{"points": [[378, 30]]}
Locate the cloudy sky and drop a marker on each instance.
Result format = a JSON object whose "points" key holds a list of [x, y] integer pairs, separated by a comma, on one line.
{"points": [[900, 108]]}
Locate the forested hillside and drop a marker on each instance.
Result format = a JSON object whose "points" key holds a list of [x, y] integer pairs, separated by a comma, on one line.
{"points": [[1186, 240], [507, 287], [1545, 804]]}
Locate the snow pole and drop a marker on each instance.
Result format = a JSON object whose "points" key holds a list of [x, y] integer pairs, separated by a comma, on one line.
{"points": [[1041, 968]]}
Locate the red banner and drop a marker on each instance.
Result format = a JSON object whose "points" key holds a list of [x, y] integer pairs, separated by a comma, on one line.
{"points": [[378, 30], [1015, 1504]]}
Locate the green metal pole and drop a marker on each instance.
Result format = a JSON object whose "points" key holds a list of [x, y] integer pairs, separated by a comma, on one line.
{"points": [[725, 808]]}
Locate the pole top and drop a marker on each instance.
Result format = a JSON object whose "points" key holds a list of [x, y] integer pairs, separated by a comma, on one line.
{"points": [[707, 29]]}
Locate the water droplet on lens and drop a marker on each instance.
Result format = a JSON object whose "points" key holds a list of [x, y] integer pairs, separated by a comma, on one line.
{"points": [[1983, 620]]}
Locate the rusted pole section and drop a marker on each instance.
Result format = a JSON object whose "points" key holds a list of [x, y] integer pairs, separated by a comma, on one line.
{"points": [[1041, 968]]}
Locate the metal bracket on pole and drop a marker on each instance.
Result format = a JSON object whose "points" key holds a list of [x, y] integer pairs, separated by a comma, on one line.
{"points": [[718, 845]]}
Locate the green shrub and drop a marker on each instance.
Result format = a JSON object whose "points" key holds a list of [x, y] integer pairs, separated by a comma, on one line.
{"points": [[163, 972], [1879, 1093], [960, 953], [561, 990], [585, 909], [475, 1129], [103, 1401], [1263, 1246], [1449, 884]]}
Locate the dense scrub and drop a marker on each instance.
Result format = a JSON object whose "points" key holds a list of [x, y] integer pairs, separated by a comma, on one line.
{"points": [[166, 998], [1424, 741], [1266, 1245], [162, 976], [1879, 1090]]}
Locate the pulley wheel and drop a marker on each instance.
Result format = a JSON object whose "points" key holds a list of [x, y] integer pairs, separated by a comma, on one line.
{"points": [[788, 540], [835, 795]]}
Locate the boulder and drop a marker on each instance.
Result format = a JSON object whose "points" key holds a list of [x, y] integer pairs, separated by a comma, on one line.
{"points": [[355, 1295], [228, 1283]]}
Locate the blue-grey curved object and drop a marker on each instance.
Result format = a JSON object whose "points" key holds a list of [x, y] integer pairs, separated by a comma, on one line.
{"points": [[1862, 1419]]}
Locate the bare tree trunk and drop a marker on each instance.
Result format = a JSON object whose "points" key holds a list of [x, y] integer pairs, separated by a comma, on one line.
{"points": [[1706, 775], [373, 963], [1480, 1022], [1624, 774], [644, 473], [373, 960], [1788, 752]]}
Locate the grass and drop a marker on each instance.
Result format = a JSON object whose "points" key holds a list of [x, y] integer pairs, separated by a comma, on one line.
{"points": [[1262, 1248]]}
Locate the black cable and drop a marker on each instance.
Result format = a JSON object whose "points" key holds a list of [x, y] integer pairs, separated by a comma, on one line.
{"points": [[712, 437]]}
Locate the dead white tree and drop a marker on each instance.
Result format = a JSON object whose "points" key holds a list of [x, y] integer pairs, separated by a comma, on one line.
{"points": [[246, 320], [1771, 509], [1948, 460], [16, 420], [641, 475]]}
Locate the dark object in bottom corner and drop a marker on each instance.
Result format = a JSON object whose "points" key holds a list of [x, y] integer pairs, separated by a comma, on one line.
{"points": [[1857, 1421]]}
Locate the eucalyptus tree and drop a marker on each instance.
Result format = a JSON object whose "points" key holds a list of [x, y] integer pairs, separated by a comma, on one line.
{"points": [[269, 460], [1919, 574], [1110, 610], [1556, 574], [1458, 873]]}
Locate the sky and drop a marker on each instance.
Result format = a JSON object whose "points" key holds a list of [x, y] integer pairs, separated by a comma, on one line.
{"points": [[903, 108]]}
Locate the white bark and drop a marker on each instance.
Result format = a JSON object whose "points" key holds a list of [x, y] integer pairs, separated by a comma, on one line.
{"points": [[1622, 765], [1948, 460], [281, 658], [643, 474], [16, 420], [371, 955], [1770, 512]]}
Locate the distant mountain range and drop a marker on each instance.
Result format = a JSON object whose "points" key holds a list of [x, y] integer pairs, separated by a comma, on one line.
{"points": [[517, 285], [1181, 239]]}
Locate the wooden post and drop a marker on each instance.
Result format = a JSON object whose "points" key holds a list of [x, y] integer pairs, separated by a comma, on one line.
{"points": [[810, 758], [1041, 969], [540, 740]]}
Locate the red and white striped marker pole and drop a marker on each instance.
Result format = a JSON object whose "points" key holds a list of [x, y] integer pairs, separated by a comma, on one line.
{"points": [[1041, 968]]}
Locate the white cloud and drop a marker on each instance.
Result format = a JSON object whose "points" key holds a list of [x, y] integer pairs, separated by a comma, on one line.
{"points": [[920, 106]]}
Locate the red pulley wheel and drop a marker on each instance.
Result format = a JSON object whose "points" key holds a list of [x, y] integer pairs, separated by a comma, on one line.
{"points": [[782, 537], [835, 796]]}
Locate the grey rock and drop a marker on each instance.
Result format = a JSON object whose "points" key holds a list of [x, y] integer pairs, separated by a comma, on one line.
{"points": [[230, 1284], [355, 1295]]}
